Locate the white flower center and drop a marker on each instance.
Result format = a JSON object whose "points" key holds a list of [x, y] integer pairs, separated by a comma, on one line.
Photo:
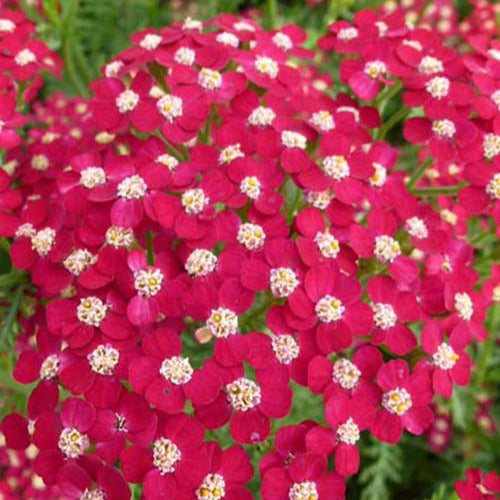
{"points": [[27, 230], [78, 260], [222, 322], [336, 166], [230, 153], [386, 248], [43, 241], [416, 227], [25, 57], [283, 281], [50, 367], [491, 145], [319, 199], [347, 33], [7, 25], [200, 262], [120, 423], [413, 43], [170, 106], [177, 370], [243, 26], [165, 455], [384, 315], [285, 348], [192, 24], [148, 282], [40, 162], [267, 66], [449, 216], [282, 41], [445, 357], [213, 487], [72, 442], [291, 139], [382, 28], [328, 245], [379, 176], [261, 117], [252, 236], [92, 177], [375, 69], [493, 187], [127, 101], [438, 87], [91, 311], [113, 68], [250, 186], [168, 160], [209, 79], [397, 401], [93, 495], [194, 201], [133, 187], [430, 65], [150, 41], [329, 309], [464, 306], [227, 38], [494, 53], [345, 373], [495, 97], [243, 394], [119, 236], [348, 432], [103, 359], [444, 128], [323, 120], [306, 490], [185, 55]]}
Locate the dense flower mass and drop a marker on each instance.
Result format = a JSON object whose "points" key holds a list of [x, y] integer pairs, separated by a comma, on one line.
{"points": [[219, 225]]}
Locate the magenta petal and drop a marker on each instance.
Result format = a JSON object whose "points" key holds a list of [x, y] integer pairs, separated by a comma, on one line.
{"points": [[249, 426]]}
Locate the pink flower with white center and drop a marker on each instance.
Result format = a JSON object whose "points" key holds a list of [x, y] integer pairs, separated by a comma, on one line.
{"points": [[329, 300], [280, 270], [219, 307], [305, 478], [347, 417], [248, 405], [344, 376], [404, 402], [163, 464], [200, 262], [166, 378], [448, 363], [62, 438], [392, 308], [376, 241]]}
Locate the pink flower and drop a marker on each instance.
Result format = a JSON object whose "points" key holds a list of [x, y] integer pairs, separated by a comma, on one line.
{"points": [[166, 378], [304, 476], [478, 485], [404, 402], [391, 310], [450, 362]]}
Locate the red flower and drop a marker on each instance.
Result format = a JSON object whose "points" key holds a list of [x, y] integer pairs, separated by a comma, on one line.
{"points": [[404, 403], [305, 477], [478, 485]]}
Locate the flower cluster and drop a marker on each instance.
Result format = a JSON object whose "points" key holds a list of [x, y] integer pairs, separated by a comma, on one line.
{"points": [[215, 193]]}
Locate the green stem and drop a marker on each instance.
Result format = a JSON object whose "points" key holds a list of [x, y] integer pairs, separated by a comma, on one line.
{"points": [[388, 93], [487, 348], [8, 383], [437, 190], [391, 122], [272, 13], [151, 256], [12, 315], [418, 174]]}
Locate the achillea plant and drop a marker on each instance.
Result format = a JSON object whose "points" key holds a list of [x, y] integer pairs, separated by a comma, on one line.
{"points": [[220, 234]]}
